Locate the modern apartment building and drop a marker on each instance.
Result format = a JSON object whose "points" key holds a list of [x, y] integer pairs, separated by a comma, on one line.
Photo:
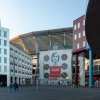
{"points": [[4, 57], [82, 56], [20, 66], [79, 49]]}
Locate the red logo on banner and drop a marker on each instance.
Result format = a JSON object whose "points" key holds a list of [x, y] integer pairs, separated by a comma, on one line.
{"points": [[55, 72]]}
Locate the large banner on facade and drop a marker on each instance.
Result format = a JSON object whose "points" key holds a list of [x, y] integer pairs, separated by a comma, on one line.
{"points": [[55, 72]]}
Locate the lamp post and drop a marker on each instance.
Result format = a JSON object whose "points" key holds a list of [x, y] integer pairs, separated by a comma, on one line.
{"points": [[37, 69]]}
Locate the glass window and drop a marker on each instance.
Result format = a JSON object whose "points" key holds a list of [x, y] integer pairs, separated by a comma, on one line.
{"points": [[0, 32], [0, 59], [5, 42], [15, 51], [0, 41], [74, 27], [0, 50], [11, 70], [78, 25], [5, 34], [15, 71], [5, 68], [75, 37], [83, 33], [84, 22], [5, 51], [78, 45], [5, 59], [11, 49], [0, 68], [79, 35], [84, 43]]}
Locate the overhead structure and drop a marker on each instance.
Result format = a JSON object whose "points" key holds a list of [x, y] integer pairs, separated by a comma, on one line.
{"points": [[92, 25], [45, 39]]}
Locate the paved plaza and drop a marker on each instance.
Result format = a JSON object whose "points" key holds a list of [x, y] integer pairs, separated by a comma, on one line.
{"points": [[51, 93]]}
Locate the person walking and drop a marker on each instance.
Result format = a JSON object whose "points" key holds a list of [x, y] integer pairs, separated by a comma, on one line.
{"points": [[15, 86], [10, 87]]}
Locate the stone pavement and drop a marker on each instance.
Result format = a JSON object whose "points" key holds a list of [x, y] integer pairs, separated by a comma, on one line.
{"points": [[51, 93]]}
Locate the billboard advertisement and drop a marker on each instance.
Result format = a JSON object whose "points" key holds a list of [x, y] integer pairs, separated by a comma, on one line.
{"points": [[55, 72]]}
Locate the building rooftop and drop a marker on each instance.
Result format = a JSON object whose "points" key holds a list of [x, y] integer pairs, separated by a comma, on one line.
{"points": [[45, 39]]}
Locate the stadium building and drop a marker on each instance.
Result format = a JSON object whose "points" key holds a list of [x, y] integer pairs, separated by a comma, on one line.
{"points": [[53, 51]]}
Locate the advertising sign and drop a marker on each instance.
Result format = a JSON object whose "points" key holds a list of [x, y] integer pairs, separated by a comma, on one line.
{"points": [[55, 72]]}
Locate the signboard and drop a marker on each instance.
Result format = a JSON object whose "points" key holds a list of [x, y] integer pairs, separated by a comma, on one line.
{"points": [[55, 72]]}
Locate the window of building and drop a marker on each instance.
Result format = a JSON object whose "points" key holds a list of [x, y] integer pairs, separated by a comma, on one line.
{"points": [[19, 71], [78, 25], [5, 68], [0, 59], [15, 51], [16, 58], [11, 70], [84, 22], [5, 34], [83, 33], [5, 42], [78, 45], [0, 32], [19, 53], [5, 51], [19, 66], [75, 37], [79, 35], [74, 27], [5, 59], [15, 71], [0, 41], [0, 50], [11, 49], [84, 43], [22, 66], [0, 68], [15, 64], [11, 63]]}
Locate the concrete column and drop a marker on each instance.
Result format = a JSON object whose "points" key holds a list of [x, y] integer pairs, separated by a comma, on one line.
{"points": [[76, 70], [82, 68], [8, 80], [18, 80], [90, 68]]}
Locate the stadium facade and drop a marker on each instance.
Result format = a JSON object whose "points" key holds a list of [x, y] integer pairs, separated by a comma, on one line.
{"points": [[44, 44]]}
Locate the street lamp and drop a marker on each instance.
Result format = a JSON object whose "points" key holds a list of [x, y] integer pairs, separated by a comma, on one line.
{"points": [[37, 68]]}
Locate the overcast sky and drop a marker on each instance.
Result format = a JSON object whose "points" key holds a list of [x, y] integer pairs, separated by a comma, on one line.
{"points": [[22, 16]]}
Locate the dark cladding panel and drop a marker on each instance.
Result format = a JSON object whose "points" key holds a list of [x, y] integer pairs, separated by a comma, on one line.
{"points": [[43, 42], [57, 39], [68, 39]]}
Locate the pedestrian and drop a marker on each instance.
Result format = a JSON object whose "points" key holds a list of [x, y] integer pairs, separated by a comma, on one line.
{"points": [[97, 83], [11, 87], [1, 84], [73, 84], [15, 85]]}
